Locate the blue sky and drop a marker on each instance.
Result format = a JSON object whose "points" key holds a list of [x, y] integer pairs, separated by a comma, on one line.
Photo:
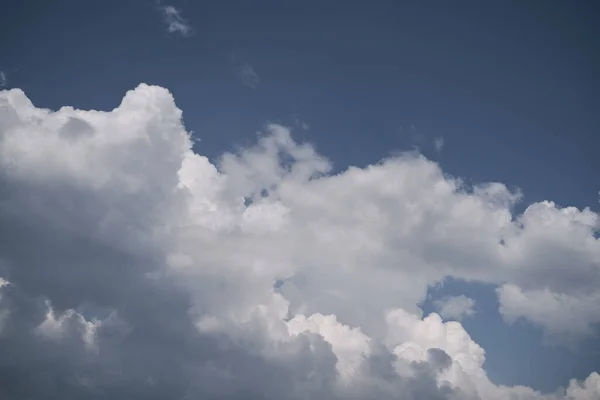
{"points": [[500, 83], [496, 92]]}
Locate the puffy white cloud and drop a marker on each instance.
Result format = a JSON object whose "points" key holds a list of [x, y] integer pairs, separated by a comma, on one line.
{"points": [[157, 274], [349, 345], [455, 307], [586, 390]]}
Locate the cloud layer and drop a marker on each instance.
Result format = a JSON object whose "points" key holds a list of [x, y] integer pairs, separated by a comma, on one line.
{"points": [[133, 267]]}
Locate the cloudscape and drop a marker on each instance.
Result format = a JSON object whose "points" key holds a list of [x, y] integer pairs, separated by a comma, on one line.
{"points": [[143, 255]]}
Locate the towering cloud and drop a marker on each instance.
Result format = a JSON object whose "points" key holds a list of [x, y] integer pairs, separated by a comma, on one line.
{"points": [[132, 267]]}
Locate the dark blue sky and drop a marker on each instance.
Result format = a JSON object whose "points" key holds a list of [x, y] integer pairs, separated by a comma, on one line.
{"points": [[510, 86]]}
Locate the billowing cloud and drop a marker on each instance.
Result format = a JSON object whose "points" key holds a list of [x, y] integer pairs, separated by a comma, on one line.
{"points": [[132, 267], [586, 390], [175, 21], [455, 307]]}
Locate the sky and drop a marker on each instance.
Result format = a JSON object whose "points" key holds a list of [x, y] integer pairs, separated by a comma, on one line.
{"points": [[254, 200]]}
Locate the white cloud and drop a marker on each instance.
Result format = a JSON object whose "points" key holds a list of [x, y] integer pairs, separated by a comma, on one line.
{"points": [[455, 307], [159, 265], [586, 390], [565, 316], [349, 345], [3, 79], [175, 22]]}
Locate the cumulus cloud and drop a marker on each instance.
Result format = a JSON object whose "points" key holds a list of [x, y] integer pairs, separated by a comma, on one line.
{"points": [[132, 267], [556, 311], [455, 307], [586, 390], [3, 79], [175, 21]]}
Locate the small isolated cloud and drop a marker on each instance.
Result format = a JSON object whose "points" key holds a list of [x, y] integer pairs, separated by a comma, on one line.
{"points": [[455, 307], [175, 22], [438, 144], [3, 79], [245, 72]]}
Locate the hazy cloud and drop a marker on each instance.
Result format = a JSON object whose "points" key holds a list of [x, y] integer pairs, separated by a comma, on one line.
{"points": [[438, 144], [245, 72]]}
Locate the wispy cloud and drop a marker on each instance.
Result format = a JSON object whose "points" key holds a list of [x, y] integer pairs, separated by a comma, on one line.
{"points": [[438, 144], [175, 22], [302, 124], [420, 140], [3, 79], [245, 72]]}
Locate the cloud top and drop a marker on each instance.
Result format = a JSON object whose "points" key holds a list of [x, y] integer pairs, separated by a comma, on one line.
{"points": [[455, 307]]}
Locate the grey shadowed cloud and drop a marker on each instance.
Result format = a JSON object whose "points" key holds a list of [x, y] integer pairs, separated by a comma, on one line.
{"points": [[131, 267]]}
